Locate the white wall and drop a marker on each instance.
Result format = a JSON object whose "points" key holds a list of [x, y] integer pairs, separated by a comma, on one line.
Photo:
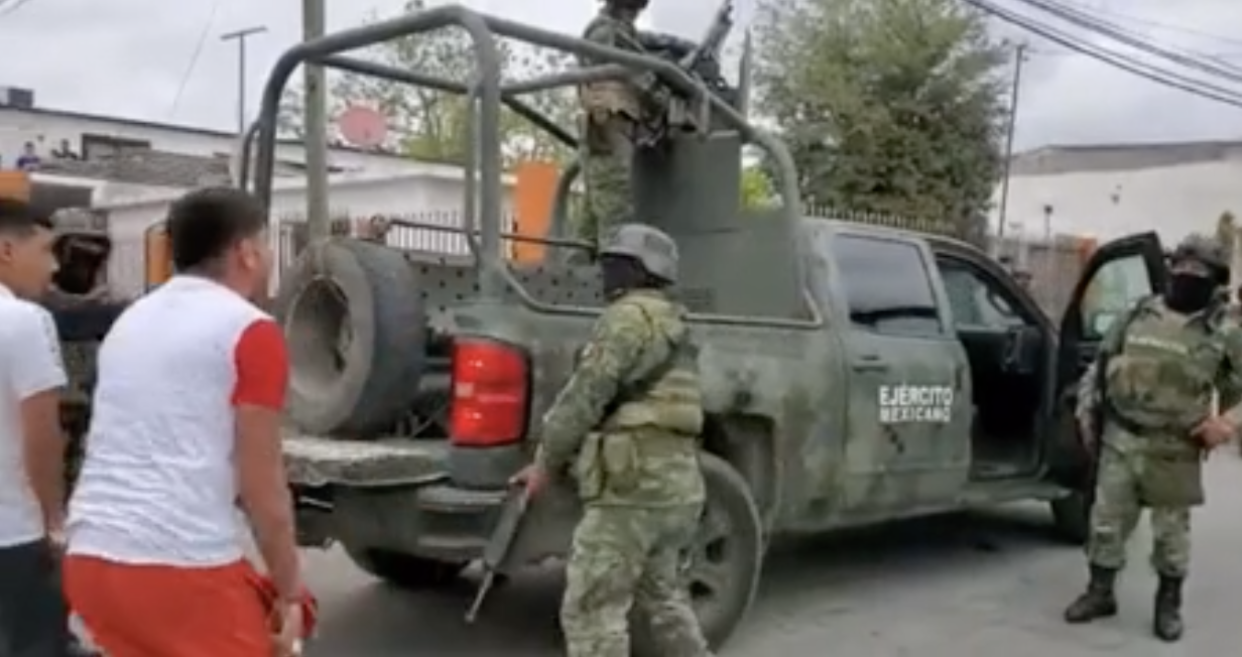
{"points": [[427, 197], [47, 129], [1174, 200]]}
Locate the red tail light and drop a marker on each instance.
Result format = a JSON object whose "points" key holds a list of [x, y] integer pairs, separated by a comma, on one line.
{"points": [[491, 386]]}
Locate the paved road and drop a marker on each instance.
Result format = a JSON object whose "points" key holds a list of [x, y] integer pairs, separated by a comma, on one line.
{"points": [[980, 585]]}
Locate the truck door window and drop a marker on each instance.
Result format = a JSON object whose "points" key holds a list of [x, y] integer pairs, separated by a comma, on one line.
{"points": [[1114, 289], [975, 300], [887, 286]]}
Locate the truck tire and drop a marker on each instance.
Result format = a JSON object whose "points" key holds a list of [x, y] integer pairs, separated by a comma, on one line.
{"points": [[1071, 518], [357, 332], [725, 561], [403, 570]]}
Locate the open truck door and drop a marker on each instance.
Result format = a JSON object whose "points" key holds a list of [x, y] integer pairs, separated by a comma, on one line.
{"points": [[1115, 277]]}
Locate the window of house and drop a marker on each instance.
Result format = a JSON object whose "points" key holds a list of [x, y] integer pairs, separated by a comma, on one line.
{"points": [[887, 285], [97, 147]]}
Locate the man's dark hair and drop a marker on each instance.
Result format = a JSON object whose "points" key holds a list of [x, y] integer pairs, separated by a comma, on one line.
{"points": [[19, 218], [205, 223]]}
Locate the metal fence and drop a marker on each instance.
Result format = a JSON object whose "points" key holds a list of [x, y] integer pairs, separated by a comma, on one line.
{"points": [[1053, 263]]}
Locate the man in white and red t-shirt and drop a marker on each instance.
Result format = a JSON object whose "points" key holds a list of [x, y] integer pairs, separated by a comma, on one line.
{"points": [[186, 423]]}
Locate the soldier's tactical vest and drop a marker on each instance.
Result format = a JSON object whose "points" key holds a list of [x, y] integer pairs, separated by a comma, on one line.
{"points": [[645, 453], [1162, 379], [667, 394], [609, 96]]}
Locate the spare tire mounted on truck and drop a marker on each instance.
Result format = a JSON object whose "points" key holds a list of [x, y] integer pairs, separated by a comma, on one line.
{"points": [[357, 332]]}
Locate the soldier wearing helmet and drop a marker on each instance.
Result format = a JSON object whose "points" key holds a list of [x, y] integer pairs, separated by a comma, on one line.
{"points": [[82, 249], [1147, 405], [626, 426], [612, 111]]}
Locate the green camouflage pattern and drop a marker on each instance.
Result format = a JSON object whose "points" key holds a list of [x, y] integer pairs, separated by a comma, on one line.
{"points": [[610, 112], [630, 441], [630, 558], [629, 419], [1163, 369], [1130, 479]]}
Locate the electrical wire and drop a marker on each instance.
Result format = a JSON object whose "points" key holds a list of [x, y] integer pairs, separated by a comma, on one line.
{"points": [[1121, 62], [1087, 21], [1158, 25], [194, 57]]}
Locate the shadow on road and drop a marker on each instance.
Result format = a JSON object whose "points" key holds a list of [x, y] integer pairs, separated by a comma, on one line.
{"points": [[840, 573]]}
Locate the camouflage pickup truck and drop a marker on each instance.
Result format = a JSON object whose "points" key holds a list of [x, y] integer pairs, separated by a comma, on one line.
{"points": [[853, 374]]}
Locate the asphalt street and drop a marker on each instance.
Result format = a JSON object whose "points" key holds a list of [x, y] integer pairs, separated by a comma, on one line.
{"points": [[983, 584], [989, 585]]}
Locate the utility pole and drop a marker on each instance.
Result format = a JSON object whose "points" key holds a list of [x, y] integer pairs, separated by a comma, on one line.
{"points": [[240, 36], [1019, 60], [315, 120]]}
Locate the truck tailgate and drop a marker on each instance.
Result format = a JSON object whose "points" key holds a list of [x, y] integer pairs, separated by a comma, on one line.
{"points": [[319, 461]]}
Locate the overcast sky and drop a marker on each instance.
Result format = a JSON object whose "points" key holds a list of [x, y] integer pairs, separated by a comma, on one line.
{"points": [[128, 58]]}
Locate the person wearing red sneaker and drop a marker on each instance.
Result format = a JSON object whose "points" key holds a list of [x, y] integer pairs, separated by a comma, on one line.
{"points": [[185, 428]]}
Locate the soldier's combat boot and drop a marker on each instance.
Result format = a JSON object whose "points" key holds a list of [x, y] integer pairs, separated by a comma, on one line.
{"points": [[1098, 601], [1167, 622]]}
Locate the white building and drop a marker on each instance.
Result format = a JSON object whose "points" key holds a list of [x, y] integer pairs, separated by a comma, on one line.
{"points": [[434, 195], [1108, 191], [107, 158]]}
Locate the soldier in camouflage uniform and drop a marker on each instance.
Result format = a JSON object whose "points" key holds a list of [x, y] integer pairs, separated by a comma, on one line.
{"points": [[83, 309], [1152, 386], [611, 113], [627, 425]]}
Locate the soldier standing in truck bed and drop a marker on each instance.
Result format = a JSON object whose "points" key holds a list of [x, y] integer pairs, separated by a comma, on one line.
{"points": [[1149, 401], [612, 111]]}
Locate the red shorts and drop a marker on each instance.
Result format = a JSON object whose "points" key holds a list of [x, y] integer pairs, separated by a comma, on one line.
{"points": [[164, 611]]}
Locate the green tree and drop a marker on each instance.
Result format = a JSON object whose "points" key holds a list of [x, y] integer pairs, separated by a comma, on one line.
{"points": [[888, 106], [756, 187], [430, 124]]}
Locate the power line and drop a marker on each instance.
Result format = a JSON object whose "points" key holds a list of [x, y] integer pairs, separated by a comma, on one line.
{"points": [[1121, 62], [1159, 25], [1094, 24], [194, 57]]}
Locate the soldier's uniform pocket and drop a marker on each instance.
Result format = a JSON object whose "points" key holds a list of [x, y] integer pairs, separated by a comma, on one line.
{"points": [[1169, 480], [621, 462], [588, 469]]}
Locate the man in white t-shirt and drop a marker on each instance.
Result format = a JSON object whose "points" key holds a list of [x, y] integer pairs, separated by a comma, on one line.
{"points": [[32, 445], [185, 426]]}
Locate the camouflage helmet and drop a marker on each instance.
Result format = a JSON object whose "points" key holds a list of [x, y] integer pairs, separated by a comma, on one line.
{"points": [[1204, 250], [650, 246]]}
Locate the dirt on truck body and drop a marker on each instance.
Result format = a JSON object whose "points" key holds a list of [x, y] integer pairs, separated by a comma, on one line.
{"points": [[852, 375]]}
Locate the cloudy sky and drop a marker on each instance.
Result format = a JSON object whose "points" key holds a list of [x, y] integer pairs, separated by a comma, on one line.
{"points": [[129, 58]]}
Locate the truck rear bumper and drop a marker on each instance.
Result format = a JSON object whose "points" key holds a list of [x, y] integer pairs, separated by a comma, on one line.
{"points": [[393, 495]]}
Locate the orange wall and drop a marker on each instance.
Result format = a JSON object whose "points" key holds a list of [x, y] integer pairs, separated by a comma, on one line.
{"points": [[534, 195], [15, 185]]}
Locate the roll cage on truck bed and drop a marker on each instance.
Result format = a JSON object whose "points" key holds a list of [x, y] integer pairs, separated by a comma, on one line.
{"points": [[852, 374]]}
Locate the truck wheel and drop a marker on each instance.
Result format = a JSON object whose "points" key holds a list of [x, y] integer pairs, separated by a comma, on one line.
{"points": [[725, 560], [357, 333], [1071, 518], [403, 570]]}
